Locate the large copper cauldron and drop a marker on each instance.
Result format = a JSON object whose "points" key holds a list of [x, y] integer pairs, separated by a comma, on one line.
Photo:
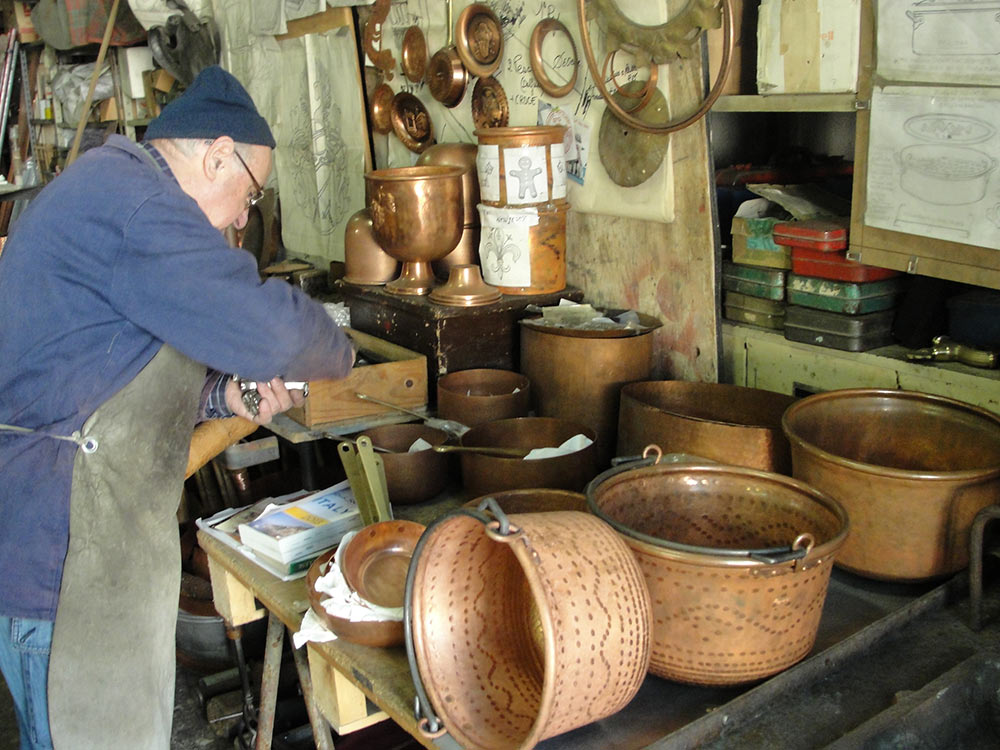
{"points": [[911, 469], [737, 562], [726, 423], [523, 627], [417, 218]]}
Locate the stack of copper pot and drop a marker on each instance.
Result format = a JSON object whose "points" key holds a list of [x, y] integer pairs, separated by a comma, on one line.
{"points": [[522, 186]]}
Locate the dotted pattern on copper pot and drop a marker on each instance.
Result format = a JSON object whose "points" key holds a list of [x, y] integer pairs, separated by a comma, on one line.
{"points": [[721, 620], [480, 608]]}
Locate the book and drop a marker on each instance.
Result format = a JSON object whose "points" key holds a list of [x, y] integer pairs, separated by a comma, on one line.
{"points": [[305, 526], [224, 526]]}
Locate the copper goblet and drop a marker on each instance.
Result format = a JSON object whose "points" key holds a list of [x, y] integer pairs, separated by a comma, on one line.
{"points": [[417, 216]]}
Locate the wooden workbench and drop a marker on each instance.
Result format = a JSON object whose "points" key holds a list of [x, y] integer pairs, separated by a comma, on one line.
{"points": [[354, 686]]}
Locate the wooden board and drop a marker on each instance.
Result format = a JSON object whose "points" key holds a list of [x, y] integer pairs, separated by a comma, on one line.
{"points": [[397, 375]]}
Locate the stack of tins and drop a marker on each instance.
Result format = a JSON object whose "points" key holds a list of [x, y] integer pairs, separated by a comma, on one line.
{"points": [[522, 186]]}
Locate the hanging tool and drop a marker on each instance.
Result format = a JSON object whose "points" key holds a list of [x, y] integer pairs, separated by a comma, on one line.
{"points": [[374, 473]]}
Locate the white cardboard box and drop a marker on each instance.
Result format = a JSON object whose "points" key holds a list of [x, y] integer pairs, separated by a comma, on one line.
{"points": [[808, 46], [135, 60]]}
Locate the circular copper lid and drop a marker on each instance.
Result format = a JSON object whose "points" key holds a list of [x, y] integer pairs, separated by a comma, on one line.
{"points": [[411, 123], [479, 39], [414, 57], [489, 104]]}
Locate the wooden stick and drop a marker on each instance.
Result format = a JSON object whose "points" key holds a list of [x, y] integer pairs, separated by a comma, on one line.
{"points": [[93, 83], [214, 436]]}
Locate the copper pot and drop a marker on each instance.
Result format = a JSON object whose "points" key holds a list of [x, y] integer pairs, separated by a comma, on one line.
{"points": [[446, 76], [575, 375], [483, 395], [911, 469], [458, 155], [482, 474], [534, 501], [411, 477], [725, 423], [364, 261], [737, 562]]}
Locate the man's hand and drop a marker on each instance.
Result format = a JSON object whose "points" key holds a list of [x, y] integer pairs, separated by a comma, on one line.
{"points": [[275, 398]]}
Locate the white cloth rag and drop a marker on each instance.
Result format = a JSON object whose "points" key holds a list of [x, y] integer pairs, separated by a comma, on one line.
{"points": [[576, 443]]}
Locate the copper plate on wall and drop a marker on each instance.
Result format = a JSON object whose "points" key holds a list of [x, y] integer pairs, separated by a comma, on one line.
{"points": [[479, 39], [489, 104], [414, 57], [381, 108], [411, 123]]}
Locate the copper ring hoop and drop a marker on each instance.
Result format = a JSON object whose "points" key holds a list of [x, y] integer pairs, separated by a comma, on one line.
{"points": [[644, 94], [545, 83], [669, 127]]}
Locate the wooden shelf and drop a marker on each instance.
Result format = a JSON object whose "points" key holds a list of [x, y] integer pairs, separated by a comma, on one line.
{"points": [[787, 103]]}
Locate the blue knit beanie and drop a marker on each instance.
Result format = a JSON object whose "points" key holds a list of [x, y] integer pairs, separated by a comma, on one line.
{"points": [[214, 104]]}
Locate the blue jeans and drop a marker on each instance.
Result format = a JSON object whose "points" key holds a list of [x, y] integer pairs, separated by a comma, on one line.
{"points": [[24, 658]]}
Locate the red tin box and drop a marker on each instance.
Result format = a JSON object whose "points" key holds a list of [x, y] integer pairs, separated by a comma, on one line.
{"points": [[827, 235], [835, 265]]}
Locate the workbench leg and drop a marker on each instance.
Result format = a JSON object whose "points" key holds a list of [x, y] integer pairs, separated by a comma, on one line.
{"points": [[269, 682], [321, 730]]}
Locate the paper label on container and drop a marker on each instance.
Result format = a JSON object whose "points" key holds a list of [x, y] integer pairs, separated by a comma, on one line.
{"points": [[505, 245], [526, 174], [557, 154], [488, 167]]}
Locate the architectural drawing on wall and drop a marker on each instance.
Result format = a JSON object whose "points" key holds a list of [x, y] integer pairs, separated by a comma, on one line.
{"points": [[943, 27], [939, 41], [932, 163]]}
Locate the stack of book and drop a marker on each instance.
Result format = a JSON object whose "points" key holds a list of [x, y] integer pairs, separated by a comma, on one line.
{"points": [[284, 535]]}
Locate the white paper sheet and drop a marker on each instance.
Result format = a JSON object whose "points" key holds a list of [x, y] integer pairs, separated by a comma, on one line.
{"points": [[932, 163]]}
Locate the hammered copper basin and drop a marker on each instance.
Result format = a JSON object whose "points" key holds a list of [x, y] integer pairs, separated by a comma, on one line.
{"points": [[534, 501], [726, 423], [483, 474], [411, 477], [737, 562], [911, 469], [483, 395]]}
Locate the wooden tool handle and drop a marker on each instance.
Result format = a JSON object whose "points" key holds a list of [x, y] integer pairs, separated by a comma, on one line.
{"points": [[214, 436]]}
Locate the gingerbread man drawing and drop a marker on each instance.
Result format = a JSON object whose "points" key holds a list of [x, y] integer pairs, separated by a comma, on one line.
{"points": [[525, 177]]}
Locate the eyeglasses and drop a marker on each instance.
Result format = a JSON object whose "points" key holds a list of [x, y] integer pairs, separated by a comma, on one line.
{"points": [[254, 199]]}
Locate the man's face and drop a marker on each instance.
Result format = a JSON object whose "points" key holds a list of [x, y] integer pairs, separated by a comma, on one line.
{"points": [[240, 182]]}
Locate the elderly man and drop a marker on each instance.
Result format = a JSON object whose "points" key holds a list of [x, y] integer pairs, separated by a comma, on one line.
{"points": [[117, 293]]}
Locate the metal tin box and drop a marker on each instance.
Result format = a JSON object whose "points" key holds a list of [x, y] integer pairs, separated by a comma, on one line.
{"points": [[836, 266], [852, 333], [743, 308], [825, 235], [842, 296], [754, 244], [756, 282]]}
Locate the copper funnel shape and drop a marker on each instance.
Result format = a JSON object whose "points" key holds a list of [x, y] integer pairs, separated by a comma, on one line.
{"points": [[465, 288]]}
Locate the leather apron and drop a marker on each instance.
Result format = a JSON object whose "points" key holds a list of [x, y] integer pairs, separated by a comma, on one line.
{"points": [[111, 672]]}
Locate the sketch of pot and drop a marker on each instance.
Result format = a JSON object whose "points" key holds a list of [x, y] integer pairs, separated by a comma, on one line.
{"points": [[943, 174], [942, 127], [950, 27], [947, 27]]}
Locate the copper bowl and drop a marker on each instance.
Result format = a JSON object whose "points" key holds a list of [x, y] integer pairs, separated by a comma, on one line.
{"points": [[912, 470], [411, 477], [482, 474], [364, 261], [380, 633], [726, 423], [376, 560], [483, 395], [535, 501]]}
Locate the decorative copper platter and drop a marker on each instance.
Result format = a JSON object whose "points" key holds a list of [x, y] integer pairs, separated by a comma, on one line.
{"points": [[479, 39], [381, 108], [411, 123], [489, 104], [414, 54]]}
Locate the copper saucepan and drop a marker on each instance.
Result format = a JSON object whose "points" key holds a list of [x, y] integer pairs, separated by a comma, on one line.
{"points": [[447, 77]]}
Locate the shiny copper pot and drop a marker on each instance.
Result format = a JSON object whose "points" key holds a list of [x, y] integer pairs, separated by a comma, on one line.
{"points": [[446, 75], [411, 477], [482, 474], [466, 253], [520, 632], [726, 423], [417, 218], [737, 562], [578, 375], [911, 469], [458, 155], [534, 501], [482, 395]]}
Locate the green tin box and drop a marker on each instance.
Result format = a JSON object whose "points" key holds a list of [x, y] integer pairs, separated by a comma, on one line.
{"points": [[848, 298]]}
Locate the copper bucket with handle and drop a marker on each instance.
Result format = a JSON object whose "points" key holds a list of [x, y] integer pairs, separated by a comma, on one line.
{"points": [[737, 562], [496, 651]]}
